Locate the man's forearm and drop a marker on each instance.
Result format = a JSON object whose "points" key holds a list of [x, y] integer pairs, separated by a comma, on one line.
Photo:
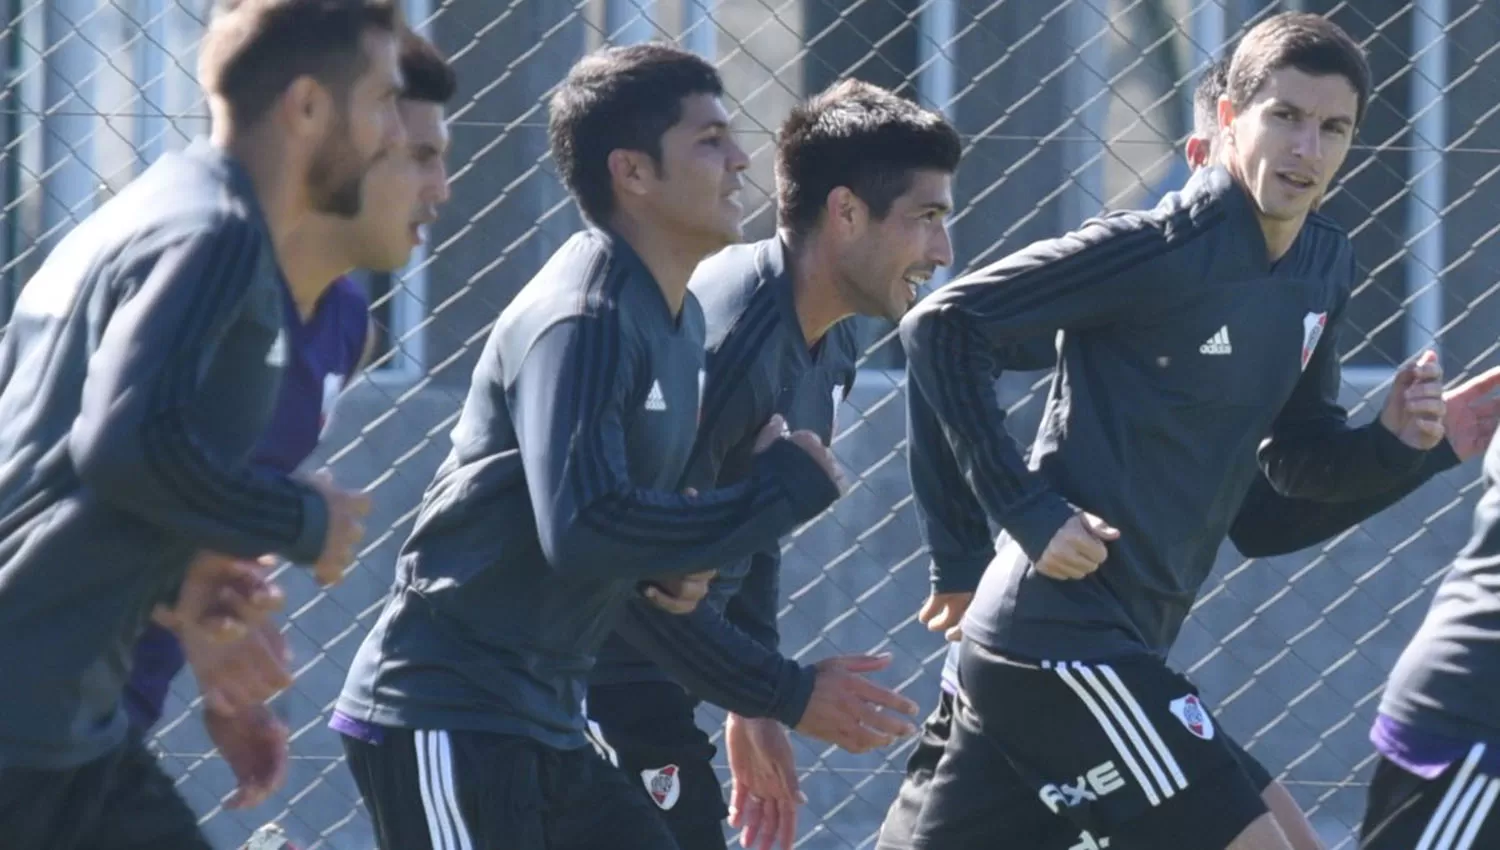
{"points": [[718, 663], [1270, 524], [1339, 465]]}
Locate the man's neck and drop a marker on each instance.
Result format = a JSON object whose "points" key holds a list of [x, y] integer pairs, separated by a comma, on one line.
{"points": [[309, 267], [1279, 234], [668, 257], [816, 290], [283, 202]]}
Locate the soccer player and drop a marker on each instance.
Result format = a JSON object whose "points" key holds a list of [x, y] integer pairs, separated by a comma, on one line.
{"points": [[1193, 339], [1267, 524], [462, 712], [330, 343], [863, 181], [124, 454], [1437, 733]]}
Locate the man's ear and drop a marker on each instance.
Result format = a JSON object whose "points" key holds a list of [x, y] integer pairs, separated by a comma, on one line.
{"points": [[628, 170], [846, 212], [1197, 151], [1226, 114]]}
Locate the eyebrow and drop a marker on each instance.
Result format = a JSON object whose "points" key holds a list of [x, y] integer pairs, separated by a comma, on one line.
{"points": [[1338, 119], [715, 124]]}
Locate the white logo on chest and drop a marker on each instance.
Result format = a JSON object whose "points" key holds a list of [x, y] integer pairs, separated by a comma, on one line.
{"points": [[1218, 343], [656, 400]]}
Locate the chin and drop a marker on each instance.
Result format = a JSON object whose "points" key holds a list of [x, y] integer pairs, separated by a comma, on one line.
{"points": [[895, 311], [390, 263], [1287, 214], [1283, 211], [730, 235]]}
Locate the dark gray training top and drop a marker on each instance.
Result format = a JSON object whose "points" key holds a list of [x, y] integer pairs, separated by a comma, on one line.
{"points": [[1448, 679], [121, 454], [1184, 348], [563, 491], [759, 363]]}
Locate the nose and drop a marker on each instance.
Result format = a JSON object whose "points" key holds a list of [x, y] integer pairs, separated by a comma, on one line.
{"points": [[438, 192], [941, 252], [738, 160], [1309, 141]]}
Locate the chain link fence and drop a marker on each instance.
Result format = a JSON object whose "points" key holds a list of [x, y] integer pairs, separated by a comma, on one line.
{"points": [[1066, 109]]}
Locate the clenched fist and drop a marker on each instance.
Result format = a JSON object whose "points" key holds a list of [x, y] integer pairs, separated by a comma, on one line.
{"points": [[1078, 548], [679, 595]]}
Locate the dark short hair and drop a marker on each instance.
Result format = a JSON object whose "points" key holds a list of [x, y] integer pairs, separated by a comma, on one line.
{"points": [[1310, 43], [620, 98], [427, 76], [254, 49], [860, 136], [1206, 96]]}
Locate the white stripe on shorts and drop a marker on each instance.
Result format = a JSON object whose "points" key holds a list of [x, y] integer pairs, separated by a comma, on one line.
{"points": [[595, 736], [1132, 733], [1459, 805], [445, 822]]}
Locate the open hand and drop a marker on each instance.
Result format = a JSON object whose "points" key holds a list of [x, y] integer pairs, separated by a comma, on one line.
{"points": [[1472, 414], [764, 796]]}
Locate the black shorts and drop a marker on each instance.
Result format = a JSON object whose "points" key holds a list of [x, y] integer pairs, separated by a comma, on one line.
{"points": [[1455, 811], [901, 818], [1063, 756], [437, 790], [122, 801], [648, 730]]}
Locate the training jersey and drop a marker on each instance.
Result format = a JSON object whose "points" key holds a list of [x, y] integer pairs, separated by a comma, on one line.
{"points": [[561, 494], [122, 453], [323, 354], [759, 363], [1187, 357], [1446, 684]]}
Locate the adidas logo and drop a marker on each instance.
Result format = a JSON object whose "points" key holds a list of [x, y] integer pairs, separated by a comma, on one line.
{"points": [[1218, 343], [654, 399]]}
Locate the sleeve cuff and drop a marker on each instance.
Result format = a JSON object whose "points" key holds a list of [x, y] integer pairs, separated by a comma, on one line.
{"points": [[807, 487], [308, 546], [959, 574], [1393, 455], [1441, 459], [1034, 527], [794, 692]]}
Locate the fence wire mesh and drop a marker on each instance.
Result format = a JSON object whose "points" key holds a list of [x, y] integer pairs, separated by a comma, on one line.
{"points": [[1065, 109]]}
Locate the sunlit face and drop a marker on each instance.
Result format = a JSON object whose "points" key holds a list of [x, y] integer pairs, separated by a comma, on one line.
{"points": [[427, 141], [1200, 148], [1287, 144], [403, 191], [365, 129], [887, 259], [696, 191]]}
